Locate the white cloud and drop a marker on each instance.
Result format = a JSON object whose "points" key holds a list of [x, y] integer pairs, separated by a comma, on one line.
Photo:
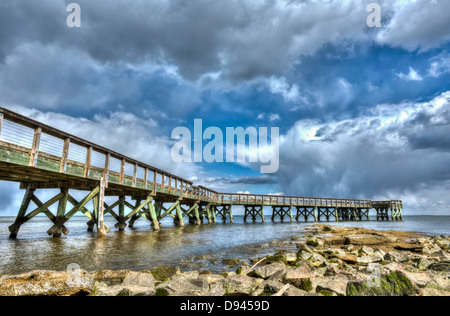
{"points": [[413, 75], [439, 65]]}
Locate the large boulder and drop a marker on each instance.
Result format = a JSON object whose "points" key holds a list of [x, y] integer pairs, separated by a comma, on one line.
{"points": [[179, 287], [163, 273], [268, 270], [239, 285], [134, 284], [300, 277], [331, 286], [396, 256], [443, 266], [368, 240], [366, 260], [47, 283], [393, 284]]}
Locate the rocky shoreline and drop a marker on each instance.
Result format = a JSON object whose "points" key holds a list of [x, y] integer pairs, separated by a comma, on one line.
{"points": [[334, 261]]}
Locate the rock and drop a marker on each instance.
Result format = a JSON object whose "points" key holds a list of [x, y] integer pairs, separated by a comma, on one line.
{"points": [[291, 257], [368, 240], [331, 286], [163, 273], [393, 284], [293, 291], [350, 259], [110, 277], [335, 240], [300, 277], [332, 270], [269, 288], [421, 279], [47, 283], [243, 270], [239, 285], [440, 283], [441, 254], [423, 264], [305, 248], [179, 287], [349, 248], [365, 251], [431, 249], [134, 284], [211, 283], [380, 252], [434, 292], [267, 271], [304, 255], [369, 259], [443, 244], [409, 247], [278, 257], [317, 260], [440, 266], [397, 256], [314, 242]]}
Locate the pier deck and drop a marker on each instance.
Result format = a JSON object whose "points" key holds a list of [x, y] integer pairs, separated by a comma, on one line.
{"points": [[41, 157]]}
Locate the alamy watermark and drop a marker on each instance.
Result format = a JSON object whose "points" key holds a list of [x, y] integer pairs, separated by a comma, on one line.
{"points": [[76, 277], [374, 18], [74, 18], [234, 147]]}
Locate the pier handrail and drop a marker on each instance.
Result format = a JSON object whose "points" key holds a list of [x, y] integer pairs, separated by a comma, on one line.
{"points": [[158, 182]]}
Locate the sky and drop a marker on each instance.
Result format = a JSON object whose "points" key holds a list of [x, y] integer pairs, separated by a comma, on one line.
{"points": [[362, 112]]}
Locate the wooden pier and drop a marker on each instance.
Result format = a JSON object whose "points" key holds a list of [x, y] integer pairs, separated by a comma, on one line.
{"points": [[41, 157]]}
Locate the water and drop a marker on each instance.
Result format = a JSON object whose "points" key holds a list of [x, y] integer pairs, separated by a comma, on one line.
{"points": [[191, 247]]}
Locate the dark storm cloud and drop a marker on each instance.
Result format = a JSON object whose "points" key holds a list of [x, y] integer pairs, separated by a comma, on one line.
{"points": [[242, 39], [393, 157], [242, 180]]}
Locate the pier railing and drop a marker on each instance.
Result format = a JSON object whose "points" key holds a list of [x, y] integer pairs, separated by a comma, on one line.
{"points": [[26, 142], [29, 143]]}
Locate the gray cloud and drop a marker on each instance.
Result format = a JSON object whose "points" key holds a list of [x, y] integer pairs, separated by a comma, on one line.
{"points": [[395, 158], [239, 39]]}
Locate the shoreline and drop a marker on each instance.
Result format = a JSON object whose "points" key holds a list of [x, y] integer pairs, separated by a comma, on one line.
{"points": [[328, 261]]}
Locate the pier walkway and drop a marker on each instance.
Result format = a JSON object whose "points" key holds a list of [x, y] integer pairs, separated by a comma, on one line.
{"points": [[41, 157]]}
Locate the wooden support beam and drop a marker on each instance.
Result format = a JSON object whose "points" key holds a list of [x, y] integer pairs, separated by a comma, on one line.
{"points": [[57, 231], [168, 211], [14, 229], [140, 207], [87, 165]]}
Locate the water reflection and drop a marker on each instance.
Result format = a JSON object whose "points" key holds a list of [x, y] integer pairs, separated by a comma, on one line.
{"points": [[192, 247]]}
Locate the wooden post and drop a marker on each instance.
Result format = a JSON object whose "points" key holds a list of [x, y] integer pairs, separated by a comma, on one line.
{"points": [[87, 165], [153, 217], [35, 147], [102, 229], [57, 231], [121, 225], [65, 154], [122, 171], [1, 123], [179, 217], [134, 175], [106, 170], [145, 178]]}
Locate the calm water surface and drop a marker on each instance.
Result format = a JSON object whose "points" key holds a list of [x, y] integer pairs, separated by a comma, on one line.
{"points": [[191, 247]]}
